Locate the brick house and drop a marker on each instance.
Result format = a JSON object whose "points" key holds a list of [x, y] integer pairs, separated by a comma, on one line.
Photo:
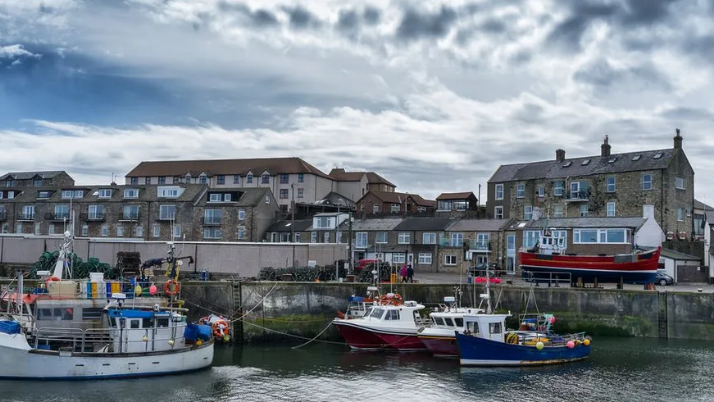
{"points": [[418, 237], [457, 204], [393, 203], [375, 238], [356, 184], [485, 240], [603, 185]]}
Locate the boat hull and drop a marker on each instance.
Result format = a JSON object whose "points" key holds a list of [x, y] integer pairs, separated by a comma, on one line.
{"points": [[441, 346], [639, 269], [402, 342], [483, 352], [368, 338], [19, 361]]}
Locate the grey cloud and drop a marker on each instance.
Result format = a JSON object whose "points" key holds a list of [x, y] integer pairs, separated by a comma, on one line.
{"points": [[603, 75], [685, 113], [646, 12], [529, 113], [348, 21], [300, 18], [417, 25], [569, 32], [493, 25], [258, 18], [371, 15]]}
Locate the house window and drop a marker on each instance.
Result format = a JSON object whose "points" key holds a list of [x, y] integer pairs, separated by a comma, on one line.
{"points": [[361, 240], [215, 198], [520, 190], [605, 236], [326, 237], [212, 216], [338, 237], [646, 181], [249, 178], [147, 180], [558, 188], [156, 230], [177, 232], [284, 179], [139, 231], [528, 212], [221, 179], [530, 238], [265, 178], [611, 184], [284, 193], [187, 178], [313, 237], [381, 238], [584, 210], [131, 193], [424, 259], [67, 194], [404, 238], [399, 258], [236, 179], [444, 206], [679, 183], [105, 231], [375, 209], [241, 214], [499, 191], [105, 193], [40, 195], [680, 214], [177, 180], [10, 183], [96, 212], [557, 211], [301, 178], [610, 209], [134, 181], [162, 179], [203, 179], [498, 212], [541, 191], [61, 211], [38, 227], [574, 189], [395, 208], [167, 212], [212, 233], [449, 259], [301, 192], [37, 183], [322, 222], [51, 230], [429, 238], [120, 231], [18, 228], [168, 192], [85, 230], [240, 233]]}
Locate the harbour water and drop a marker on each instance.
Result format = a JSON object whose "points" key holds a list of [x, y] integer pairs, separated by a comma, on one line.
{"points": [[619, 369]]}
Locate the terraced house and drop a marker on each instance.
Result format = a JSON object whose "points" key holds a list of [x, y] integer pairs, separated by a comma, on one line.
{"points": [[604, 185]]}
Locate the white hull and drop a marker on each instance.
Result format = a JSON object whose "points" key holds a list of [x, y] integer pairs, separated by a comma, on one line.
{"points": [[19, 361]]}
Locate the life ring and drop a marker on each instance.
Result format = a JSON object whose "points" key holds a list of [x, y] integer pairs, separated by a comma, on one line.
{"points": [[670, 235], [340, 315], [394, 300], [218, 331], [682, 235], [171, 287]]}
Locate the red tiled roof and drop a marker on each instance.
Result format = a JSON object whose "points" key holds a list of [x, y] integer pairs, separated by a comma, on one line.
{"points": [[291, 165], [455, 196]]}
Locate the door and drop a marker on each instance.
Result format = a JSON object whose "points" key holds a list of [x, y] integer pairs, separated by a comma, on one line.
{"points": [[511, 254]]}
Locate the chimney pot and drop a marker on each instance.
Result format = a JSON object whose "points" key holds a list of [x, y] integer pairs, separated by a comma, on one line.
{"points": [[677, 140], [605, 148], [559, 155]]}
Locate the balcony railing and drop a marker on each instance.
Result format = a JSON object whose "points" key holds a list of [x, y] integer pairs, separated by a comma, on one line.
{"points": [[93, 216], [578, 196], [479, 245], [22, 216], [57, 216], [166, 217], [211, 220], [450, 242], [130, 217]]}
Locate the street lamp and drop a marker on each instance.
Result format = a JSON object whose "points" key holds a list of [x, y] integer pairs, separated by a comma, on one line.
{"points": [[292, 222]]}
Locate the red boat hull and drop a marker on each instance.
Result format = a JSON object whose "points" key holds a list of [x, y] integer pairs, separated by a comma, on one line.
{"points": [[441, 346], [631, 268], [403, 342], [358, 337]]}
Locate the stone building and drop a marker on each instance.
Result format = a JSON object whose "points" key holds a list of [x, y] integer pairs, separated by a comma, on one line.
{"points": [[606, 185], [485, 243], [464, 204], [35, 179]]}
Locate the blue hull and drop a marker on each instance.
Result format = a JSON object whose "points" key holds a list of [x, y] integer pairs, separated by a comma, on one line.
{"points": [[543, 274], [483, 352]]}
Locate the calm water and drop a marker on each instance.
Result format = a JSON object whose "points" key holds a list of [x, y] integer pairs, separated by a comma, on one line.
{"points": [[618, 370]]}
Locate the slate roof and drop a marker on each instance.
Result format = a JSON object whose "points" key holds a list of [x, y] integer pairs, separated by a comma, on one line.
{"points": [[589, 222], [676, 255], [478, 225], [455, 196], [146, 193], [700, 205], [398, 198], [336, 199], [29, 175], [425, 223], [214, 167], [553, 169], [374, 178], [379, 224], [300, 225]]}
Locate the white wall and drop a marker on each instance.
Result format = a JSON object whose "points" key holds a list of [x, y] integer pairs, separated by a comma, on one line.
{"points": [[650, 234]]}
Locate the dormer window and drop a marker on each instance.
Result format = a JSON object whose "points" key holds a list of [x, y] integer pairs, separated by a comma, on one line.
{"points": [[249, 178], [43, 195], [105, 193], [265, 178], [585, 162], [658, 155], [612, 160], [37, 183], [636, 157], [169, 192], [10, 183], [131, 193], [215, 198], [203, 179], [69, 194], [568, 163]]}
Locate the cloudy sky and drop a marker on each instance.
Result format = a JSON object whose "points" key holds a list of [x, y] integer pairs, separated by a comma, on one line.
{"points": [[432, 95]]}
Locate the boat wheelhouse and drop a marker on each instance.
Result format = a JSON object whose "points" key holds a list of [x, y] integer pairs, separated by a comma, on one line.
{"points": [[439, 336]]}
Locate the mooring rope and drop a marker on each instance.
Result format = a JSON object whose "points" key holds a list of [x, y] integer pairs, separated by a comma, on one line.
{"points": [[316, 336]]}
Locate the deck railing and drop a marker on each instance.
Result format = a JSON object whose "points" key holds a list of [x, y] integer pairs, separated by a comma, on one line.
{"points": [[556, 279], [74, 339]]}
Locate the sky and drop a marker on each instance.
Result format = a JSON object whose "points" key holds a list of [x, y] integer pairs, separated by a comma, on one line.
{"points": [[433, 95]]}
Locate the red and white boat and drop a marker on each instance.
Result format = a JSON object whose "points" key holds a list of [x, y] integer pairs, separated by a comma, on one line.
{"points": [[389, 324], [359, 305], [440, 336], [548, 259]]}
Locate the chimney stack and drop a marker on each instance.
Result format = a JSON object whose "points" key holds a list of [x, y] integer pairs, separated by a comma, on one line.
{"points": [[559, 155], [677, 140], [605, 148]]}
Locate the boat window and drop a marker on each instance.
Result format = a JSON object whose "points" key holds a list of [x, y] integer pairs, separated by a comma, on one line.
{"points": [[147, 323], [90, 313], [459, 322], [392, 315], [472, 327], [135, 323], [448, 322], [162, 322], [377, 313], [495, 328], [44, 314], [439, 321]]}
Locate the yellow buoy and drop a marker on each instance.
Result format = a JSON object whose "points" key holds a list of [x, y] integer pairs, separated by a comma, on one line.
{"points": [[137, 290], [226, 338], [199, 342], [539, 345], [586, 342]]}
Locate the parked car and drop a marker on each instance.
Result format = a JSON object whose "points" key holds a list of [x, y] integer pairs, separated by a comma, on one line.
{"points": [[361, 264], [663, 279], [480, 269]]}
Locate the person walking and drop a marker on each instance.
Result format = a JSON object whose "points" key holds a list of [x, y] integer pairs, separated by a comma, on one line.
{"points": [[410, 274], [404, 273]]}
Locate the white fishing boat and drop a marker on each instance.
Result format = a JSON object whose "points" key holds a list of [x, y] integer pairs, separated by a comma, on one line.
{"points": [[440, 334]]}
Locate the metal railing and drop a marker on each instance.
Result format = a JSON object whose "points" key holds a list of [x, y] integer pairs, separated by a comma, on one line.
{"points": [[23, 216], [56, 216], [80, 339], [556, 279], [578, 195]]}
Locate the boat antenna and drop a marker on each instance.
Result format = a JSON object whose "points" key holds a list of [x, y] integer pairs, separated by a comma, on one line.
{"points": [[488, 290]]}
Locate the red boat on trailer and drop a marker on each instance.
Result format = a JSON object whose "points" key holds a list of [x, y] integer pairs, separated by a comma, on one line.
{"points": [[548, 260]]}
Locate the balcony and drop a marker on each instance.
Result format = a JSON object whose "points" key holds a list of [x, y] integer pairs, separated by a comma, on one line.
{"points": [[476, 245], [57, 216], [130, 217], [577, 196], [26, 216], [211, 221], [166, 217], [93, 217], [450, 242], [3, 216]]}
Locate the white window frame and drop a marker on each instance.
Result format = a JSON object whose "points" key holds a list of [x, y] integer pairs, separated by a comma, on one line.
{"points": [[177, 232], [428, 238], [215, 198], [404, 238], [527, 212], [85, 230], [214, 233], [241, 214], [528, 235], [680, 214], [313, 237], [601, 236], [105, 193], [156, 231], [361, 239], [139, 231], [584, 210], [131, 193], [574, 188], [558, 211], [679, 183], [163, 212], [450, 260], [105, 231], [240, 233], [611, 187], [647, 184], [498, 212], [611, 209], [120, 231], [381, 238], [338, 237], [558, 188], [375, 208], [499, 191], [127, 212], [520, 190], [326, 237], [424, 259], [541, 191], [395, 208]]}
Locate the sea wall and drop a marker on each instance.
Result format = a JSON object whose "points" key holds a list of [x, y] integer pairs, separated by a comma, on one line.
{"points": [[272, 309]]}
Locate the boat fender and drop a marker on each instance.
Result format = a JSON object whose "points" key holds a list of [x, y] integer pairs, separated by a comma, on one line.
{"points": [[220, 328]]}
